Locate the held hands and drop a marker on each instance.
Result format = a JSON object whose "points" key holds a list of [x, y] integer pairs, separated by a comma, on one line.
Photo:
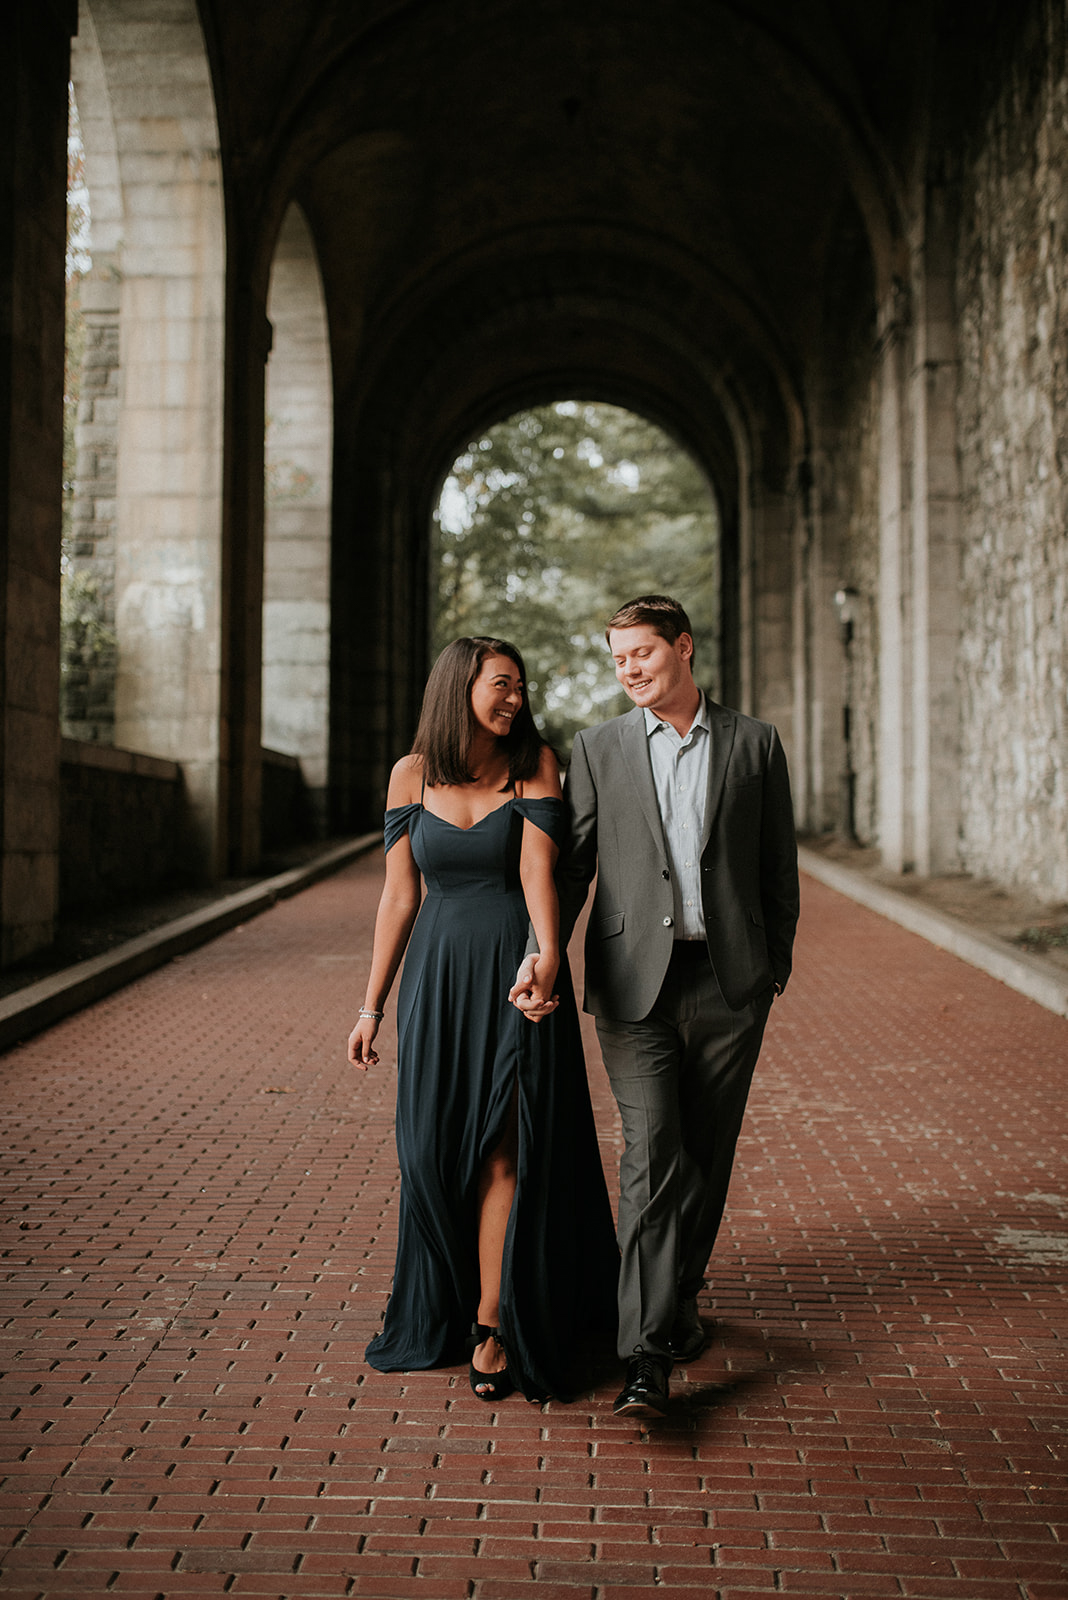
{"points": [[361, 1042], [531, 993]]}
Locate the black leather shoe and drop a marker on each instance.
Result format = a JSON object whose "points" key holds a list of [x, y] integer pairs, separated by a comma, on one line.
{"points": [[687, 1337], [645, 1393]]}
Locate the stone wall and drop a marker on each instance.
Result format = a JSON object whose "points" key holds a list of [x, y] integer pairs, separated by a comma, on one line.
{"points": [[125, 825], [1012, 294], [854, 509], [288, 808], [122, 822], [844, 392]]}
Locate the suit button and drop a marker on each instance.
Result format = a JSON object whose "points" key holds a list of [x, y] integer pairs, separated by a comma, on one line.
{"points": [[667, 922], [665, 873]]}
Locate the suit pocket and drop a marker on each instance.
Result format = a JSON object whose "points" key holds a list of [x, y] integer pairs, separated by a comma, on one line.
{"points": [[746, 781], [606, 927]]}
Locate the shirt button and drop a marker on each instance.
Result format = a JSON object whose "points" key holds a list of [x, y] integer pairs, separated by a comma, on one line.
{"points": [[667, 922]]}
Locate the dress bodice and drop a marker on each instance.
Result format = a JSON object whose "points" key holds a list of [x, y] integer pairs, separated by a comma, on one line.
{"points": [[480, 860]]}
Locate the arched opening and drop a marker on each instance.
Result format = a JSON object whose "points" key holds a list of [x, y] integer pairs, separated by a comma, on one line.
{"points": [[555, 324], [154, 300], [552, 518], [90, 402], [296, 594]]}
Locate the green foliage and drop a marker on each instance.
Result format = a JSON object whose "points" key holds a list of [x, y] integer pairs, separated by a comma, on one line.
{"points": [[87, 657], [1044, 938], [551, 521], [87, 641], [284, 480]]}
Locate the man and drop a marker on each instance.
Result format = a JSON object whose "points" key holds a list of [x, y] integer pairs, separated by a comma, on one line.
{"points": [[682, 810]]}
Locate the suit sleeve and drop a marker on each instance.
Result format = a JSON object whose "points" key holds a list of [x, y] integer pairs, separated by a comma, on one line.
{"points": [[578, 859], [779, 893]]}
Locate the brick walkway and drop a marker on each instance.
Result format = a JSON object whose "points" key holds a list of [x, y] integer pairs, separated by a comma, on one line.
{"points": [[199, 1205]]}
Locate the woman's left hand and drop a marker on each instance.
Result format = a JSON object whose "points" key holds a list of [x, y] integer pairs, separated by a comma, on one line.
{"points": [[361, 1043]]}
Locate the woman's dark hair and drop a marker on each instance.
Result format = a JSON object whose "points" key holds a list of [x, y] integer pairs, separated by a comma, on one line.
{"points": [[446, 722]]}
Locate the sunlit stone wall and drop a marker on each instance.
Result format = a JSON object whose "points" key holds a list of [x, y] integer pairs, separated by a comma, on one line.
{"points": [[1012, 292]]}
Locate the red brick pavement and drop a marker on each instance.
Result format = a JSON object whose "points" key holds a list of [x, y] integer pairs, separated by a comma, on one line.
{"points": [[200, 1200]]}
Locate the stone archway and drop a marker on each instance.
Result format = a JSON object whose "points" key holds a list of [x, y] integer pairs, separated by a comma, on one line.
{"points": [[603, 332]]}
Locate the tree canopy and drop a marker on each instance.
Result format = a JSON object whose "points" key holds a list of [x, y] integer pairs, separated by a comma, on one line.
{"points": [[553, 519]]}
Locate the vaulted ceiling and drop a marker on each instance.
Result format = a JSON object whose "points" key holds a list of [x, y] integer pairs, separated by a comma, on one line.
{"points": [[515, 198]]}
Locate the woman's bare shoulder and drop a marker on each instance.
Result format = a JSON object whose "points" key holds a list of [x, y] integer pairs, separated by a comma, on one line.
{"points": [[545, 784], [406, 781]]}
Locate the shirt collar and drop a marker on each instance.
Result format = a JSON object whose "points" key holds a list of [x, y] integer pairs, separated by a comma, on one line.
{"points": [[653, 722]]}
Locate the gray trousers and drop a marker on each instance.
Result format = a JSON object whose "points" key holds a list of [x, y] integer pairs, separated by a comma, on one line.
{"points": [[681, 1078]]}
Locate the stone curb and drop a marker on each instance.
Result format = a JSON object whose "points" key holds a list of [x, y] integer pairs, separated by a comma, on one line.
{"points": [[40, 1004], [1025, 973]]}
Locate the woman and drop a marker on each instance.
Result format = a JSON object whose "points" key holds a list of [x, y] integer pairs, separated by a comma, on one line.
{"points": [[504, 1215]]}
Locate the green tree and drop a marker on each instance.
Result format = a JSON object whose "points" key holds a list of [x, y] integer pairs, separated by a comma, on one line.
{"points": [[549, 522]]}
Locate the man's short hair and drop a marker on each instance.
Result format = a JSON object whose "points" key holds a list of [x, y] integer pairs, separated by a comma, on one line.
{"points": [[657, 611]]}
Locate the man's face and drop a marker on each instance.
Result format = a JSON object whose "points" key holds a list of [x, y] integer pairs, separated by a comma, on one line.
{"points": [[653, 672]]}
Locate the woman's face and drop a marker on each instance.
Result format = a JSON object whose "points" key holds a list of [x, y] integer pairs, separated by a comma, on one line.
{"points": [[496, 695]]}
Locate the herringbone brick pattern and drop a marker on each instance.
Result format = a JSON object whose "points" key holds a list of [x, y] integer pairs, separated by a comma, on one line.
{"points": [[199, 1211]]}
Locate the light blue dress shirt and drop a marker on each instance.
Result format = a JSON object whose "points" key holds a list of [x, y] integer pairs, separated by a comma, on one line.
{"points": [[680, 777]]}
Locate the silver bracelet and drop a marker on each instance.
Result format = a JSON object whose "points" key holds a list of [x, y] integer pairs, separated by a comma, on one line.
{"points": [[377, 1015]]}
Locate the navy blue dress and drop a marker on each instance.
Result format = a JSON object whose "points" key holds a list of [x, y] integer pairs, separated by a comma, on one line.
{"points": [[462, 1051]]}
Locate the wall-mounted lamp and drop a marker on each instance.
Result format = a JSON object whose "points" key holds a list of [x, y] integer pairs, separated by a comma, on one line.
{"points": [[847, 605]]}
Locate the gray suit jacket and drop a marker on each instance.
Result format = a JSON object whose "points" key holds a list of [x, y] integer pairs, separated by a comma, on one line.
{"points": [[748, 864]]}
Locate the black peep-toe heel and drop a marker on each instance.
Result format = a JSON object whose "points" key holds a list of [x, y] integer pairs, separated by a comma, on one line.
{"points": [[496, 1385]]}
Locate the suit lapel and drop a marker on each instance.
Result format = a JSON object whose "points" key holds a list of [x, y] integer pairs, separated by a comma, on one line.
{"points": [[722, 726], [634, 743]]}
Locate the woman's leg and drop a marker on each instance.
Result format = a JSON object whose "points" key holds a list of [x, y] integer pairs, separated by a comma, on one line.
{"points": [[496, 1192]]}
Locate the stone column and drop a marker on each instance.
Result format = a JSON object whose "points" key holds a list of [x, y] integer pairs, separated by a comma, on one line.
{"points": [[34, 69], [819, 688], [744, 627], [935, 554], [152, 167], [775, 520], [894, 780]]}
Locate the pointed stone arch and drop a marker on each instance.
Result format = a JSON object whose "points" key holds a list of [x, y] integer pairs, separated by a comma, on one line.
{"points": [[299, 452]]}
